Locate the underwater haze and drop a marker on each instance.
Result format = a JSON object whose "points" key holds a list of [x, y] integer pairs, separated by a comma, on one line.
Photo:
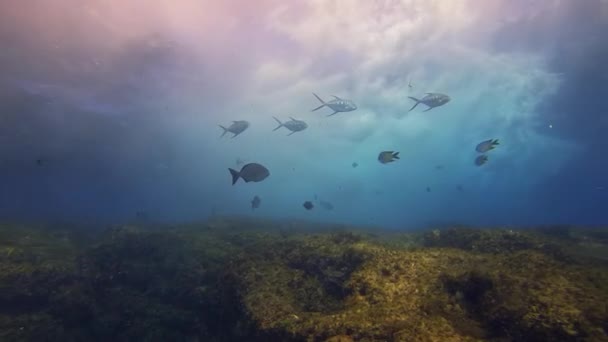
{"points": [[110, 109]]}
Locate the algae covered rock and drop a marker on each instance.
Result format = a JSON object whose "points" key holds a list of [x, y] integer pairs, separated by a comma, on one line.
{"points": [[427, 294], [202, 283]]}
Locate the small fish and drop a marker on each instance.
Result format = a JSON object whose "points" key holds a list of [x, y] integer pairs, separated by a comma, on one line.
{"points": [[326, 205], [141, 215], [388, 156], [432, 100], [293, 125], [460, 188], [255, 202], [236, 128], [428, 189], [251, 172], [486, 145], [409, 85], [480, 160], [40, 161], [438, 167], [308, 205], [355, 164], [338, 105]]}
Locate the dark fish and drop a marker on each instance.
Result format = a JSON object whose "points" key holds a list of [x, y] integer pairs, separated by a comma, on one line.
{"points": [[326, 205], [388, 156], [236, 128], [338, 105], [40, 161], [293, 125], [432, 100], [482, 159], [438, 167], [355, 164], [428, 189], [251, 172], [255, 202], [308, 205], [486, 145]]}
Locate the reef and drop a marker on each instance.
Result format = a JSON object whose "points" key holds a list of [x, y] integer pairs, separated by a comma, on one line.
{"points": [[238, 279]]}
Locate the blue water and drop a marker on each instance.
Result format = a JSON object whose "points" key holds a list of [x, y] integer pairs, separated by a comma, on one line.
{"points": [[122, 102]]}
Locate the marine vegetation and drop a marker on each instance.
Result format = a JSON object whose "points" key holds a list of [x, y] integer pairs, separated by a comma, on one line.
{"points": [[236, 279]]}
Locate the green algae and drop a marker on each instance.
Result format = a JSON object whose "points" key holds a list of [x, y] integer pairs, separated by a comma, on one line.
{"points": [[232, 279]]}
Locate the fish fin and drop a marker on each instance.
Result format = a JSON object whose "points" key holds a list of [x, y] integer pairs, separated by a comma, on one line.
{"points": [[292, 132], [417, 102], [428, 109], [321, 106], [292, 118], [235, 175], [495, 142], [396, 155], [235, 134], [334, 113], [225, 130], [337, 98], [280, 123]]}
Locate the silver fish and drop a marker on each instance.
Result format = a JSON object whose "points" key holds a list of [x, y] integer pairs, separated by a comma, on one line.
{"points": [[480, 160], [432, 100], [236, 128], [388, 156], [251, 172], [255, 202], [293, 125], [338, 105], [486, 145]]}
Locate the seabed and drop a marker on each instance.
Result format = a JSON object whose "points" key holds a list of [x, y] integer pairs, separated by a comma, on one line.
{"points": [[243, 279]]}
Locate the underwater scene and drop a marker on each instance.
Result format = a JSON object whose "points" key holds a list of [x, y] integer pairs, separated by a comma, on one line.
{"points": [[303, 170]]}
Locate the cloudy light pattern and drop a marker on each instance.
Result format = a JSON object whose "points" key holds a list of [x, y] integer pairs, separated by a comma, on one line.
{"points": [[122, 102]]}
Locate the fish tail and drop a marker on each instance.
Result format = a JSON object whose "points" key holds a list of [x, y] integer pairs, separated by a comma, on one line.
{"points": [[396, 155], [280, 124], [321, 106], [225, 130], [235, 175], [417, 102]]}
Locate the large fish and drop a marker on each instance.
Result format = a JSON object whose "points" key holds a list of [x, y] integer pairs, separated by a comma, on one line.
{"points": [[486, 145], [432, 100], [293, 125], [236, 128], [338, 105], [251, 172]]}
